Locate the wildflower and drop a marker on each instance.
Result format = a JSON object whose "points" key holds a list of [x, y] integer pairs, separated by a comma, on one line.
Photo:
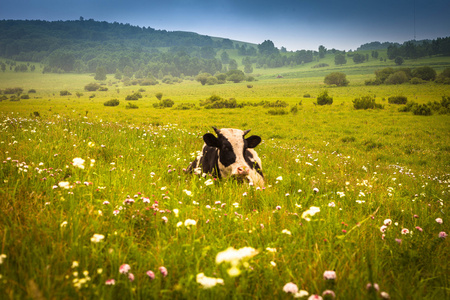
{"points": [[439, 220], [329, 293], [96, 238], [150, 274], [116, 212], [331, 204], [189, 193], [405, 231], [2, 258], [208, 282], [418, 228], [78, 162], [301, 294], [329, 275], [279, 178], [64, 184], [209, 182], [443, 235], [398, 241], [179, 224], [278, 207], [99, 271], [315, 297], [131, 276], [74, 264], [383, 228], [387, 222], [165, 219], [163, 271], [105, 202], [271, 249], [273, 264], [285, 231], [315, 190], [374, 286], [290, 288], [190, 222], [64, 224], [110, 282], [124, 269], [310, 212], [385, 295], [235, 257]]}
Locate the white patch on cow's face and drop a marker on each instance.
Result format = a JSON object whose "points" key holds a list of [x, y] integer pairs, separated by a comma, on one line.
{"points": [[235, 138]]}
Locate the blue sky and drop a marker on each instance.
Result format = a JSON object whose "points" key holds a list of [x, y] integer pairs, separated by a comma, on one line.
{"points": [[294, 24]]}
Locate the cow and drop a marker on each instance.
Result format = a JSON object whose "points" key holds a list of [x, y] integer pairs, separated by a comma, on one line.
{"points": [[230, 154]]}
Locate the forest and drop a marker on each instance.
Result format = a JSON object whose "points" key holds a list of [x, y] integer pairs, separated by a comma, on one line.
{"points": [[83, 46]]}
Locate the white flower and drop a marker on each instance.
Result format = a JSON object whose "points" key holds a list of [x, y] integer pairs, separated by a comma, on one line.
{"points": [[179, 224], [78, 162], [97, 238], [387, 222], [176, 212], [290, 288], [234, 256], [208, 282], [331, 204], [274, 264], [209, 182], [189, 193], [271, 249], [190, 222], [285, 231], [310, 212], [2, 258], [279, 178], [301, 293], [439, 220], [64, 184], [64, 224]]}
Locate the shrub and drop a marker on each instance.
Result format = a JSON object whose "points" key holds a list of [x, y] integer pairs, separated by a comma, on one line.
{"points": [[218, 102], [64, 93], [134, 96], [424, 73], [372, 82], [306, 95], [185, 106], [408, 107], [366, 102], [112, 102], [131, 105], [249, 86], [211, 80], [277, 111], [416, 80], [321, 65], [91, 87], [103, 89], [277, 103], [336, 78], [324, 99], [397, 100], [397, 78], [16, 90], [149, 81], [24, 97], [164, 103], [159, 96], [294, 110], [421, 110], [31, 91]]}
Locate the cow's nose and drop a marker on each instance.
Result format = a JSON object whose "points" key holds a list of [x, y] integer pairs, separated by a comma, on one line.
{"points": [[242, 171]]}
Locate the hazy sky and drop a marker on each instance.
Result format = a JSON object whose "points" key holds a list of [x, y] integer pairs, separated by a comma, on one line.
{"points": [[294, 24]]}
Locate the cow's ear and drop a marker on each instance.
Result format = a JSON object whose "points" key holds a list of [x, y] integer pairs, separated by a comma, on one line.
{"points": [[211, 140], [253, 141]]}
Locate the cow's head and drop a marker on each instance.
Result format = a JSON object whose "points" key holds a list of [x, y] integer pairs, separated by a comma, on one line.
{"points": [[233, 146]]}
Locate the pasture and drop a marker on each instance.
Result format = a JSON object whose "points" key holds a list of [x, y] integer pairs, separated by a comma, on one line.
{"points": [[362, 193]]}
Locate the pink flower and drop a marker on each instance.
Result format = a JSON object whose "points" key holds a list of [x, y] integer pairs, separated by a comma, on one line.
{"points": [[405, 231], [439, 220], [387, 222], [375, 286], [105, 202], [329, 275], [383, 228], [398, 241], [443, 235], [110, 282], [165, 219], [131, 276], [124, 269], [329, 293], [418, 228], [315, 297], [151, 274], [163, 271], [290, 288], [278, 207], [385, 295], [116, 212]]}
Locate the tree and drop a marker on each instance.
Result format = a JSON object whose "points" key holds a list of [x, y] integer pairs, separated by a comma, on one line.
{"points": [[202, 78], [225, 58], [358, 58], [233, 65], [336, 78], [248, 68], [267, 47], [339, 59], [322, 51], [235, 76], [100, 73], [324, 99], [399, 60]]}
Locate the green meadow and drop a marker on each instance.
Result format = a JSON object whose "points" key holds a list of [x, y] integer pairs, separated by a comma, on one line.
{"points": [[95, 203]]}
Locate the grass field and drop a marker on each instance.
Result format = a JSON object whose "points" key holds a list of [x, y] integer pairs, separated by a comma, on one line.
{"points": [[362, 193]]}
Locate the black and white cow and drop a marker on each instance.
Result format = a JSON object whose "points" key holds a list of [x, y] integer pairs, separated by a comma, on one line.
{"points": [[230, 154]]}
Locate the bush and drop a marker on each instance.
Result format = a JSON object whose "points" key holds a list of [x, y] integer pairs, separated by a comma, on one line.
{"points": [[91, 87], [31, 91], [277, 103], [397, 78], [306, 95], [16, 90], [211, 80], [164, 103], [424, 73], [397, 100], [321, 65], [185, 106], [277, 111], [383, 74], [112, 102], [218, 102], [372, 82], [131, 105], [324, 99], [294, 110], [366, 102], [336, 78], [103, 89], [64, 93], [24, 97], [444, 77], [149, 81], [408, 107], [421, 110], [159, 96], [134, 96], [416, 80]]}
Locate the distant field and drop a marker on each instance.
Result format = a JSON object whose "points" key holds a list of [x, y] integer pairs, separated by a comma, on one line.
{"points": [[66, 231]]}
